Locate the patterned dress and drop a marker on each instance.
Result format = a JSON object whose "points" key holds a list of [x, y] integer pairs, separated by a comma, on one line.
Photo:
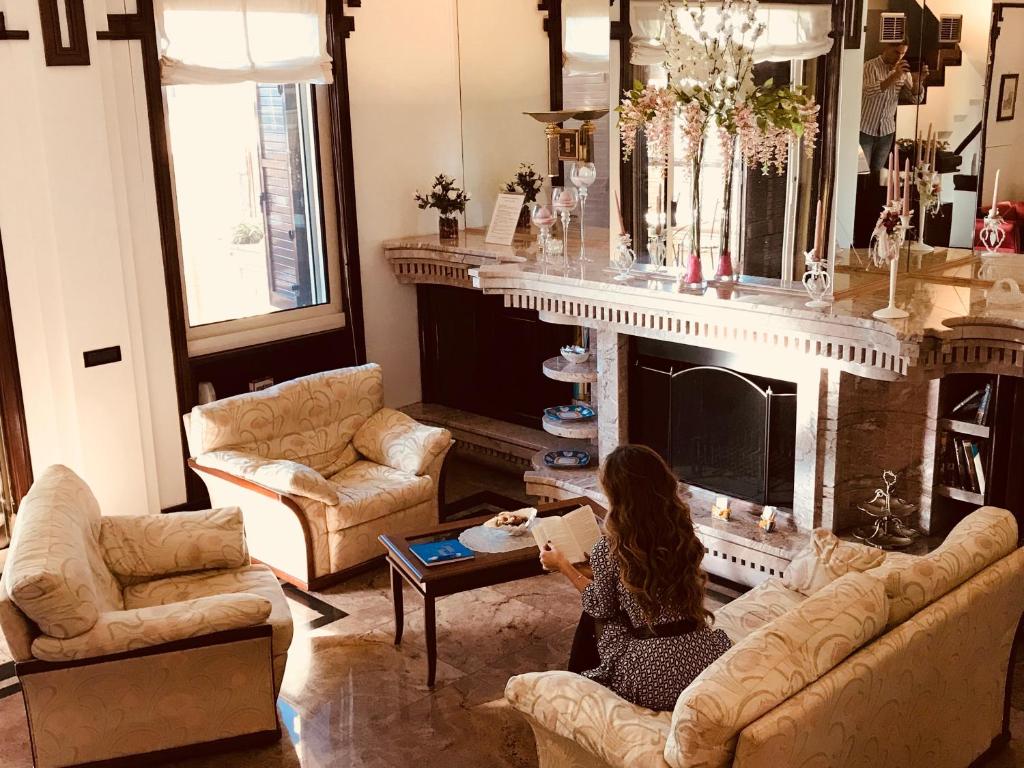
{"points": [[649, 672]]}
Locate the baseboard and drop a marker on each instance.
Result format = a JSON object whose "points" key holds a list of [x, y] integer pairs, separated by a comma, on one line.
{"points": [[232, 743]]}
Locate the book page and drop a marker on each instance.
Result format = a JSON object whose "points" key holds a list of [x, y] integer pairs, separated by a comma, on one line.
{"points": [[584, 529], [555, 530]]}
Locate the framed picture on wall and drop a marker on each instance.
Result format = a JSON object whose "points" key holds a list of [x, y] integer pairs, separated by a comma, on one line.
{"points": [[1007, 108]]}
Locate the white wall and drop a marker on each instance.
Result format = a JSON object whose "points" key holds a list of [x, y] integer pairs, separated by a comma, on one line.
{"points": [[404, 89], [1005, 139], [78, 220], [503, 55], [851, 87]]}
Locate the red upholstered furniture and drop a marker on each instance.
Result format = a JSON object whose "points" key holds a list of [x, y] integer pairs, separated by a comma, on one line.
{"points": [[1013, 224]]}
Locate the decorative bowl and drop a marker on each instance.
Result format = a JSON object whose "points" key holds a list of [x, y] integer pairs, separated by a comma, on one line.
{"points": [[575, 354], [566, 459], [570, 413], [525, 515]]}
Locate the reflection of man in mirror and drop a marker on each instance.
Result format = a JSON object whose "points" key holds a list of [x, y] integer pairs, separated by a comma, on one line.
{"points": [[887, 79]]}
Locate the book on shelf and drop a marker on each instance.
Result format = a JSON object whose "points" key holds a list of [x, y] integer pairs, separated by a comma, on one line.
{"points": [[574, 533], [958, 460], [968, 404], [981, 416], [971, 483], [979, 465]]}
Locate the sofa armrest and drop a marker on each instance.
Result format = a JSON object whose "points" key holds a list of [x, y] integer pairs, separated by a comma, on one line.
{"points": [[281, 475], [398, 441], [588, 713], [143, 547], [121, 631]]}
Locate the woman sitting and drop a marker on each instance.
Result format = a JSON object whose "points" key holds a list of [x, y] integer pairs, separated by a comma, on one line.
{"points": [[647, 588]]}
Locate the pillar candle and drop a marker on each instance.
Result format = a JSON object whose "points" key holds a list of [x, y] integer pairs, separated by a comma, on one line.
{"points": [[906, 187], [819, 225]]}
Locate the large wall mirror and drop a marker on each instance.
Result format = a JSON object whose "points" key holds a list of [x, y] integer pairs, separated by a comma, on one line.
{"points": [[518, 56], [921, 69]]}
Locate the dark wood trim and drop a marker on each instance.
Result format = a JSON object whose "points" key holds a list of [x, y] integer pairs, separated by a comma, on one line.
{"points": [[553, 26], [205, 749], [282, 498], [76, 52], [339, 26], [11, 34], [993, 39], [38, 666], [829, 122], [853, 18], [629, 194], [12, 404]]}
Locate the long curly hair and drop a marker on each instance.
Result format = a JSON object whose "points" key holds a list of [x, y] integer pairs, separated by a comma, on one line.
{"points": [[651, 537]]}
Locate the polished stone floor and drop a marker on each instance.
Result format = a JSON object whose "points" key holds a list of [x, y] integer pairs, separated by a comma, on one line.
{"points": [[352, 699]]}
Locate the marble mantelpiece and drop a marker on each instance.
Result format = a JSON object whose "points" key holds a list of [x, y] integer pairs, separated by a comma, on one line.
{"points": [[867, 389]]}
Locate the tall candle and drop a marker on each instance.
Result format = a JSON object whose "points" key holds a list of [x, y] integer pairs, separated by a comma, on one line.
{"points": [[618, 209], [896, 162], [817, 234], [906, 187], [995, 193], [917, 158], [892, 177]]}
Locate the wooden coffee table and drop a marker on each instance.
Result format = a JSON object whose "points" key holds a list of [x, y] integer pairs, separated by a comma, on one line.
{"points": [[484, 570]]}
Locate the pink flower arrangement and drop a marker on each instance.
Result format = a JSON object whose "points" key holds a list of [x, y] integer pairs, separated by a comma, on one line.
{"points": [[652, 110]]}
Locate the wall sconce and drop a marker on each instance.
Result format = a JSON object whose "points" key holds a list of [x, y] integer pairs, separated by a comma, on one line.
{"points": [[569, 144]]}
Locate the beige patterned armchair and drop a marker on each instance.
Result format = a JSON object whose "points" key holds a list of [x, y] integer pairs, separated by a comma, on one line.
{"points": [[319, 469], [904, 665], [138, 635]]}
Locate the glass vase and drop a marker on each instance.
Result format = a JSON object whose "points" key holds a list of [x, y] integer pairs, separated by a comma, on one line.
{"points": [[693, 273], [448, 228], [724, 272]]}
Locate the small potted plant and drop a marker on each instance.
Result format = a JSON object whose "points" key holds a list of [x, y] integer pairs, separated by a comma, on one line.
{"points": [[529, 183], [449, 200]]}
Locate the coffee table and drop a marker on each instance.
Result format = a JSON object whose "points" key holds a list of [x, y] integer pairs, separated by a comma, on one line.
{"points": [[484, 570]]}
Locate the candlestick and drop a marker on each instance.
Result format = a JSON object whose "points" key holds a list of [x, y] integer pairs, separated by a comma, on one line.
{"points": [[906, 187]]}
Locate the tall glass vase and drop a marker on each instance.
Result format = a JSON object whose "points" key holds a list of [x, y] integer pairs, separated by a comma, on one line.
{"points": [[693, 273], [725, 271]]}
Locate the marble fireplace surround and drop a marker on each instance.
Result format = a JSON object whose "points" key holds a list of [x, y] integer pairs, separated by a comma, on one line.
{"points": [[867, 390]]}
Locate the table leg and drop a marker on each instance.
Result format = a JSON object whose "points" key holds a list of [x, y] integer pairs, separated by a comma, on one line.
{"points": [[396, 593], [430, 628]]}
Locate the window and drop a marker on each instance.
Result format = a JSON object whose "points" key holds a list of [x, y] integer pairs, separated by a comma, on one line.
{"points": [[248, 195]]}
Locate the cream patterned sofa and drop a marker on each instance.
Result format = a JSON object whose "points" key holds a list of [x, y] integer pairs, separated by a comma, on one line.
{"points": [[904, 665], [319, 469], [141, 634]]}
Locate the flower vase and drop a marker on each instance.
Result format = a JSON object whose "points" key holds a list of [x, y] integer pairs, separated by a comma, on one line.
{"points": [[693, 276], [524, 219], [724, 272], [448, 228]]}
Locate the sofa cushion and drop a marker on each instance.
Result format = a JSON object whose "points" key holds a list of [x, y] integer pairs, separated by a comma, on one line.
{"points": [[752, 610], [252, 579], [825, 558], [980, 539], [309, 420], [770, 665], [391, 438], [279, 475], [55, 571], [141, 547], [367, 491]]}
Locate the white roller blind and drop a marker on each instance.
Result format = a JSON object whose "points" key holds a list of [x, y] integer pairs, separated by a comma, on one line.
{"points": [[793, 31], [233, 41]]}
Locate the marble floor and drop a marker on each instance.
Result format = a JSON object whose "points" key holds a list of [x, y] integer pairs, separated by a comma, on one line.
{"points": [[352, 699]]}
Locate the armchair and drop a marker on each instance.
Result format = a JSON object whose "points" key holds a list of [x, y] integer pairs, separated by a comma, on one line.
{"points": [[319, 469], [139, 635]]}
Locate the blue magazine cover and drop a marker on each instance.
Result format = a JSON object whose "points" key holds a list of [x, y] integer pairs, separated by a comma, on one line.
{"points": [[438, 552]]}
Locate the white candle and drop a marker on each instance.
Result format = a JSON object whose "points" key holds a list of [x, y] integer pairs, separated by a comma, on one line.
{"points": [[722, 502], [906, 188], [995, 193], [819, 226]]}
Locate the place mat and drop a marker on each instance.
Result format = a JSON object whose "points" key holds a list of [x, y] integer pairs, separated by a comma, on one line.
{"points": [[491, 540]]}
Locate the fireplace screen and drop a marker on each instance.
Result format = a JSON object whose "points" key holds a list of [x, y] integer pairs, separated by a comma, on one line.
{"points": [[717, 429]]}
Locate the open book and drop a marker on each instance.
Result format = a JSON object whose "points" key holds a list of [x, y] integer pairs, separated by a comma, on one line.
{"points": [[575, 533]]}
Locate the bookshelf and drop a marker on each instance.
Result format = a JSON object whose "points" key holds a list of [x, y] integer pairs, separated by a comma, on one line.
{"points": [[976, 455]]}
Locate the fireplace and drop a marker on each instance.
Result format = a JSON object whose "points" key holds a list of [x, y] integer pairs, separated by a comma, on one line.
{"points": [[718, 428]]}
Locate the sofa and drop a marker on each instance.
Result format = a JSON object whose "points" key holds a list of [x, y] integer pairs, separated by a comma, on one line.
{"points": [[320, 469], [138, 635], [903, 663]]}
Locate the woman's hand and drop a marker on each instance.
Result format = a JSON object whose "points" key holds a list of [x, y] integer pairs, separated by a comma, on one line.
{"points": [[552, 558]]}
